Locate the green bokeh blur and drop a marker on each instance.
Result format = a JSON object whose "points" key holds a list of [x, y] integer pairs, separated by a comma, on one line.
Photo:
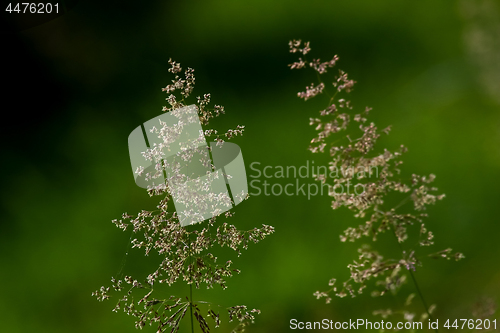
{"points": [[75, 87]]}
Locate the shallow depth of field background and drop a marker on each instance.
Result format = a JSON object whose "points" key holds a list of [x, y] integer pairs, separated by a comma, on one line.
{"points": [[78, 85]]}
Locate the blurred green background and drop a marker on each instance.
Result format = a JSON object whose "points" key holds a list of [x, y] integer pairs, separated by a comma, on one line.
{"points": [[75, 87]]}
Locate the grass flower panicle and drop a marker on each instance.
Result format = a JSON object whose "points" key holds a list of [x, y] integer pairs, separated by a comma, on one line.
{"points": [[185, 250], [350, 139]]}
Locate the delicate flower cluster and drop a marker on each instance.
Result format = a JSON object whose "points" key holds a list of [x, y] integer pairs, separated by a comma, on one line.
{"points": [[185, 86], [357, 150], [295, 46], [311, 91], [185, 252], [192, 191], [162, 233]]}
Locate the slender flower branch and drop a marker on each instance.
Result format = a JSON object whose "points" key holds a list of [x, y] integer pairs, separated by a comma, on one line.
{"points": [[357, 153], [185, 251]]}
